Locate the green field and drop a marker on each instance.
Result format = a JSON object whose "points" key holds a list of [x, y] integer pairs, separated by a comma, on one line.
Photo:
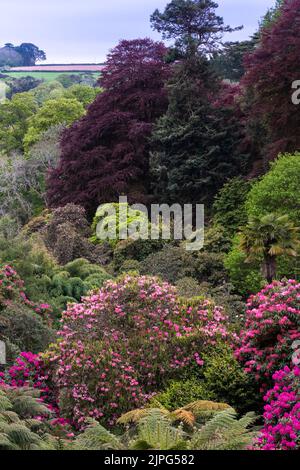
{"points": [[46, 76]]}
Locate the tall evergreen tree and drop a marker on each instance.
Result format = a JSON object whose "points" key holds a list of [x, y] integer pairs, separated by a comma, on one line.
{"points": [[193, 24], [196, 143], [229, 62], [106, 153]]}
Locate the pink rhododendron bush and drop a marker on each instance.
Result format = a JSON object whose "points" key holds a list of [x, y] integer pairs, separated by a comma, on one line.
{"points": [[120, 346], [282, 412], [272, 326]]}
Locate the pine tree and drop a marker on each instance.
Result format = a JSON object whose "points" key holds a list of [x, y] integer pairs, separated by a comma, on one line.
{"points": [[196, 143]]}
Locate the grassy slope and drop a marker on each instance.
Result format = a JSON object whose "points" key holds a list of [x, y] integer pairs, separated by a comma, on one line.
{"points": [[47, 76]]}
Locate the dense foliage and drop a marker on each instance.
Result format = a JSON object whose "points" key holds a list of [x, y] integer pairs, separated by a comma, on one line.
{"points": [[99, 332], [106, 335], [107, 152], [270, 72]]}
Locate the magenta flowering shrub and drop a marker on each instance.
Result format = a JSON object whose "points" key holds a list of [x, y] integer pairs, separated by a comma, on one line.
{"points": [[282, 412], [273, 324], [12, 290], [30, 370], [121, 344]]}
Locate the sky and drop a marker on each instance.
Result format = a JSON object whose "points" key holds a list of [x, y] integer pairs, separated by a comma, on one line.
{"points": [[83, 31]]}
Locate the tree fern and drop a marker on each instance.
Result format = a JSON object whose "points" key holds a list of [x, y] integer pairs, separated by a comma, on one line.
{"points": [[156, 430], [18, 406], [224, 431], [96, 437]]}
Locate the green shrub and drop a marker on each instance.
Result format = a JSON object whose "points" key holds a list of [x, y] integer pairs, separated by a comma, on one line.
{"points": [[130, 265], [180, 393], [105, 219], [9, 227], [171, 264], [209, 267], [24, 329], [225, 378], [209, 262], [222, 379], [46, 281], [216, 239], [188, 287], [229, 206], [136, 250], [278, 191], [246, 277]]}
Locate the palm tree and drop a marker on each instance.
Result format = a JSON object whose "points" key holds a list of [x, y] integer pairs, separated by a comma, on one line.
{"points": [[270, 236]]}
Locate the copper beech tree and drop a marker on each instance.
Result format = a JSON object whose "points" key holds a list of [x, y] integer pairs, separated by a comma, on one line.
{"points": [[106, 153], [271, 71]]}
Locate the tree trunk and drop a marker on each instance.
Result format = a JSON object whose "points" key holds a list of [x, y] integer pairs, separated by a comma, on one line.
{"points": [[270, 268]]}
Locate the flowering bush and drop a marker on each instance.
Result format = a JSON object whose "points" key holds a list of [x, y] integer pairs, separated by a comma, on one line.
{"points": [[282, 412], [12, 290], [121, 344], [273, 324], [29, 370]]}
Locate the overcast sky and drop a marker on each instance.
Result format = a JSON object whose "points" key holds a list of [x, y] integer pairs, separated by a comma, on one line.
{"points": [[82, 31]]}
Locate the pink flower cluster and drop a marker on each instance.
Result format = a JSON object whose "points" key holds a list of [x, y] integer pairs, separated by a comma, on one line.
{"points": [[282, 412], [12, 290], [121, 344], [29, 370], [273, 324]]}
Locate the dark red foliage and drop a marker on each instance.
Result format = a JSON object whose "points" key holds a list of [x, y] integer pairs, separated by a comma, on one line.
{"points": [[106, 153], [270, 72]]}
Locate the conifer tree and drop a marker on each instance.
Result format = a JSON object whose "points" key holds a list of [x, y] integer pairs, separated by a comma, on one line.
{"points": [[196, 144]]}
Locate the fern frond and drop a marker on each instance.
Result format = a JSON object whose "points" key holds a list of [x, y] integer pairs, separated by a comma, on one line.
{"points": [[133, 416], [21, 436], [6, 444], [5, 403], [185, 416], [96, 437], [9, 417], [204, 405], [28, 406], [157, 430], [224, 432]]}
